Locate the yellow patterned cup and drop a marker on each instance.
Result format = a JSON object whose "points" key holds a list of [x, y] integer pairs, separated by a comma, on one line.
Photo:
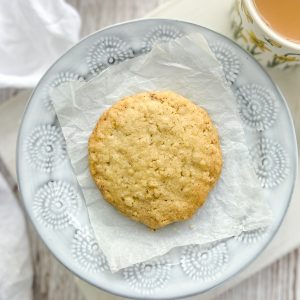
{"points": [[253, 34]]}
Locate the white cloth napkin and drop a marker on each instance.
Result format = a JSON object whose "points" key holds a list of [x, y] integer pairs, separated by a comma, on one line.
{"points": [[15, 262], [33, 34]]}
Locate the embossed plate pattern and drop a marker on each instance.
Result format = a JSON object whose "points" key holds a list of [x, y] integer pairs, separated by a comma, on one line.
{"points": [[53, 198]]}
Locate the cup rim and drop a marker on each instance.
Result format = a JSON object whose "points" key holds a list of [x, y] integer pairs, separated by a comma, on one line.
{"points": [[272, 33]]}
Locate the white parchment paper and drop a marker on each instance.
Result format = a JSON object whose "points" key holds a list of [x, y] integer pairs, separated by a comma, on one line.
{"points": [[188, 67]]}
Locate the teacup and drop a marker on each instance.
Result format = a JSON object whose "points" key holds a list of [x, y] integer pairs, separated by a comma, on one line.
{"points": [[266, 45]]}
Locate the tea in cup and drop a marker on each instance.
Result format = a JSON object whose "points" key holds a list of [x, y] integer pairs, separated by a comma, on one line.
{"points": [[269, 30]]}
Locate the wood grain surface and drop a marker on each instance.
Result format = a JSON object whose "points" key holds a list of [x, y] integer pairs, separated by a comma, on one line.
{"points": [[52, 281]]}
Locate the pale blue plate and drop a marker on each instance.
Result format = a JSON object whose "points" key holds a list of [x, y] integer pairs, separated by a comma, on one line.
{"points": [[51, 194]]}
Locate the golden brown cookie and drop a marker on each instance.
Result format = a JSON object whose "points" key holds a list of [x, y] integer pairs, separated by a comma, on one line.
{"points": [[155, 157]]}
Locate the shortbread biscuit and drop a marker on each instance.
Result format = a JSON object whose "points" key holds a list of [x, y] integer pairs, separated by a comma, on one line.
{"points": [[155, 156]]}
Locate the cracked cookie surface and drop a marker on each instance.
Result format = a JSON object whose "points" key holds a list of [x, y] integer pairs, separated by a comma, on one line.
{"points": [[155, 156]]}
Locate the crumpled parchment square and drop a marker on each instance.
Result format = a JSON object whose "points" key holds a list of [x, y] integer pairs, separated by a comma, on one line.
{"points": [[188, 67]]}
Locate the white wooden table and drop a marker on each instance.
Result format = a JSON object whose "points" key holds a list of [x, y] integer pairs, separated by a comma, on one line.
{"points": [[280, 281]]}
